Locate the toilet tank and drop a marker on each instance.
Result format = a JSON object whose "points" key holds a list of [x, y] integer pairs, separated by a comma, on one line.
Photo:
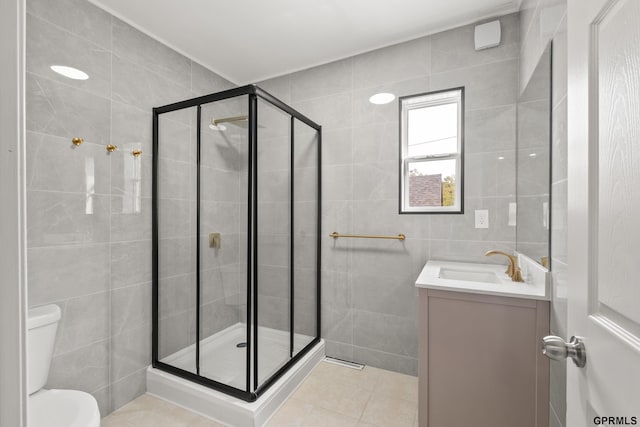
{"points": [[42, 323]]}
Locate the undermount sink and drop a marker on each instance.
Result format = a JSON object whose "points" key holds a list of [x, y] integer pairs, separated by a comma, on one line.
{"points": [[469, 275], [488, 279]]}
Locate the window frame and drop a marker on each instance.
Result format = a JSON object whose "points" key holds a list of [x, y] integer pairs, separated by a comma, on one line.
{"points": [[458, 207]]}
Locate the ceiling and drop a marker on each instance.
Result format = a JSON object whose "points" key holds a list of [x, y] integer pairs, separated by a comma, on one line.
{"points": [[247, 41]]}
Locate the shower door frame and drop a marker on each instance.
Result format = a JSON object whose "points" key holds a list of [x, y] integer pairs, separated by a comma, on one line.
{"points": [[254, 93]]}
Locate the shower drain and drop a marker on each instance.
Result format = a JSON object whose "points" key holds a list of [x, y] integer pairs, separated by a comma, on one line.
{"points": [[241, 344]]}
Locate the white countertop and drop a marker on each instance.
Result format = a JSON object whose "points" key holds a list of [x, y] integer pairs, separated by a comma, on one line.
{"points": [[535, 285]]}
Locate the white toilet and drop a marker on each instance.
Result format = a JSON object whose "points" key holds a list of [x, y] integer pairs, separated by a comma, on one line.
{"points": [[52, 408]]}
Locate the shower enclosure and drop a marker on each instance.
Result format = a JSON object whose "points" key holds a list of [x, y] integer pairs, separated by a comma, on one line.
{"points": [[236, 239]]}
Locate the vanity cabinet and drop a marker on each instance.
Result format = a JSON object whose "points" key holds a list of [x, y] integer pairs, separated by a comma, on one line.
{"points": [[480, 362]]}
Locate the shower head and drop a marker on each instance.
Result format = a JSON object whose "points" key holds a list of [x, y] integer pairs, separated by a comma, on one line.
{"points": [[216, 124]]}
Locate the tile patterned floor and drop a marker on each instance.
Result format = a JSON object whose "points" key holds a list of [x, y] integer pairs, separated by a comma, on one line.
{"points": [[149, 411], [331, 396]]}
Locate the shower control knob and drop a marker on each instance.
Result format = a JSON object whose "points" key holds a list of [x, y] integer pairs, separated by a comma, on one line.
{"points": [[556, 348]]}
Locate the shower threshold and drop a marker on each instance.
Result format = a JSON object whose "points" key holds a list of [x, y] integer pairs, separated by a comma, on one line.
{"points": [[222, 361]]}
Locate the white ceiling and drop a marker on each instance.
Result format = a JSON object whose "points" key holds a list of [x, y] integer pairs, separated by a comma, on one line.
{"points": [[247, 41]]}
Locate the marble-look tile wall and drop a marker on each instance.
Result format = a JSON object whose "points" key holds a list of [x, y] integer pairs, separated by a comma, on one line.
{"points": [[541, 21], [369, 311], [89, 212]]}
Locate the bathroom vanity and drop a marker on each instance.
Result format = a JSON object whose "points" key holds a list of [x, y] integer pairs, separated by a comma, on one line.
{"points": [[480, 362]]}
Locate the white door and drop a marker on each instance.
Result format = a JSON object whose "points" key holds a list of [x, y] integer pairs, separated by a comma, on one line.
{"points": [[604, 210]]}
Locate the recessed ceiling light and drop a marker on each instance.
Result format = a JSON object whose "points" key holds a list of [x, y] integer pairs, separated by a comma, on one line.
{"points": [[532, 155], [70, 72], [382, 98], [501, 158]]}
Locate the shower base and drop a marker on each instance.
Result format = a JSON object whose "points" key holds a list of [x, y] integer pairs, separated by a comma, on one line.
{"points": [[223, 361]]}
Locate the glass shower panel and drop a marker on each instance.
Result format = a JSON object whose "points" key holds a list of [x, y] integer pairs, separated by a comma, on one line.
{"points": [[305, 234], [274, 243], [223, 225], [176, 201]]}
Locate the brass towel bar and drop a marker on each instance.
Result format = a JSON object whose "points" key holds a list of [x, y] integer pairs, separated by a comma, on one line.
{"points": [[335, 235]]}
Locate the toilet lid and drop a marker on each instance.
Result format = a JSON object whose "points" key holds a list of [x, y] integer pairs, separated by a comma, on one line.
{"points": [[63, 408]]}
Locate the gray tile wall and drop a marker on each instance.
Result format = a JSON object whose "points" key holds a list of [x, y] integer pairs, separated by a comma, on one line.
{"points": [[89, 212], [541, 21], [368, 298]]}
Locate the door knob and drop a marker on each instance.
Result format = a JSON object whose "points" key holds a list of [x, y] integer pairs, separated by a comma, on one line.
{"points": [[557, 349]]}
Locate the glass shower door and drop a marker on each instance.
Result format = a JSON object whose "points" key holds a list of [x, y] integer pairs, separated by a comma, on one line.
{"points": [[176, 239], [273, 210], [306, 211], [223, 219]]}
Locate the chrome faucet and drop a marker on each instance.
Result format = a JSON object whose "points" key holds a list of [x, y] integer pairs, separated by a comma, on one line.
{"points": [[513, 270]]}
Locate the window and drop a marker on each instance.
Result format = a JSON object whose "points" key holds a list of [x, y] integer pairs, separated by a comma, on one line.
{"points": [[431, 152]]}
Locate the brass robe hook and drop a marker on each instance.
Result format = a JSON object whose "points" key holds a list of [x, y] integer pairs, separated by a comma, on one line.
{"points": [[77, 141]]}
